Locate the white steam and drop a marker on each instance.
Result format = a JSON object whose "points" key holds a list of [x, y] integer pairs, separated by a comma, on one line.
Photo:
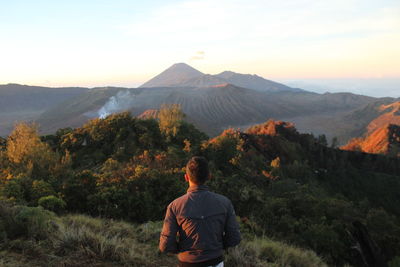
{"points": [[123, 100]]}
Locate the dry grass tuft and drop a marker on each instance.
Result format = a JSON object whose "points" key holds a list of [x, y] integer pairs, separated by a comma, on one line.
{"points": [[108, 240], [265, 252]]}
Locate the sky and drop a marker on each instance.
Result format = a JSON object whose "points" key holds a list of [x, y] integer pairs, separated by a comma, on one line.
{"points": [[126, 42]]}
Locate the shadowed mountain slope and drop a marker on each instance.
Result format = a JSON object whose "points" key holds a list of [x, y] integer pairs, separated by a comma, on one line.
{"points": [[220, 107], [16, 97], [26, 103], [76, 111], [254, 82], [206, 80], [210, 108]]}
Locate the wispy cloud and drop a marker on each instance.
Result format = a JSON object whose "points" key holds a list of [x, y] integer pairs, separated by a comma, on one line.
{"points": [[199, 55]]}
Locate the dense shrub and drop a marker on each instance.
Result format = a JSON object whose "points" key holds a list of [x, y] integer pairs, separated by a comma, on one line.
{"points": [[260, 252], [395, 262], [25, 222], [34, 222], [52, 203]]}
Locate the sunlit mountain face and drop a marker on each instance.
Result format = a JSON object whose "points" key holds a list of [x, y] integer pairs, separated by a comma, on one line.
{"points": [[382, 134]]}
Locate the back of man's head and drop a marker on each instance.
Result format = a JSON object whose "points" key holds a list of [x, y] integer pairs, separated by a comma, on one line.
{"points": [[197, 170]]}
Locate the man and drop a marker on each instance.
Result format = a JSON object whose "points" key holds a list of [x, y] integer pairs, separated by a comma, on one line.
{"points": [[204, 222]]}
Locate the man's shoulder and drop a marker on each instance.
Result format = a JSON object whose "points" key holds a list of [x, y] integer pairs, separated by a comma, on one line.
{"points": [[178, 202], [220, 197]]}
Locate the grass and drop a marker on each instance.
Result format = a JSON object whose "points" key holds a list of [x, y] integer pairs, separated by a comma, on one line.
{"points": [[80, 240], [258, 252], [108, 240]]}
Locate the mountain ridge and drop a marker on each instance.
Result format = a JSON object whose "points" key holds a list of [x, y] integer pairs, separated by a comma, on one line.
{"points": [[183, 75], [382, 133], [212, 109], [26, 103], [383, 140]]}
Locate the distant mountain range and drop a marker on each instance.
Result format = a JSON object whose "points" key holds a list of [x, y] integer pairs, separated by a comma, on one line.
{"points": [[183, 75], [211, 102]]}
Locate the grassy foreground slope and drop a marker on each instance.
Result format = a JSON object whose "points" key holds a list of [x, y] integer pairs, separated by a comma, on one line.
{"points": [[32, 236]]}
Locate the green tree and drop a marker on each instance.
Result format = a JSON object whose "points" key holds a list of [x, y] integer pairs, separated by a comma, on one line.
{"points": [[40, 189], [171, 117], [28, 153], [77, 189], [3, 143], [334, 142], [322, 140]]}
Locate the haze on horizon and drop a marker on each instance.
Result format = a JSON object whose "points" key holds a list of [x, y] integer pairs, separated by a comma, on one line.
{"points": [[125, 43]]}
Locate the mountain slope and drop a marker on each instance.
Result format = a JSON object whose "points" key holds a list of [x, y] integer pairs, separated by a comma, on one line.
{"points": [[360, 118], [390, 114], [216, 107], [382, 134], [173, 76], [254, 82], [16, 97], [212, 109], [26, 103], [76, 111], [384, 140], [205, 80]]}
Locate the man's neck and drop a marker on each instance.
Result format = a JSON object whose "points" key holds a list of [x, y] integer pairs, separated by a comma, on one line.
{"points": [[191, 184], [195, 187]]}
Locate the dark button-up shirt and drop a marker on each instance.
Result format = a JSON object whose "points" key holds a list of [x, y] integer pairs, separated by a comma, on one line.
{"points": [[204, 222]]}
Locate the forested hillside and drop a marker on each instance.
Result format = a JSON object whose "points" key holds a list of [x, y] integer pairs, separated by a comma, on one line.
{"points": [[288, 186]]}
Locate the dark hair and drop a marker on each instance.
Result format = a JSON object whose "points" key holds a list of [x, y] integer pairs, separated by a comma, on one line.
{"points": [[197, 169]]}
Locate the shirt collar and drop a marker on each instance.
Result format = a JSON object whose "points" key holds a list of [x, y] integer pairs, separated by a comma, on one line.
{"points": [[195, 188]]}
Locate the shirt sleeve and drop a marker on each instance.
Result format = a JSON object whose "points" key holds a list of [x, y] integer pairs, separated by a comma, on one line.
{"points": [[232, 233], [168, 241]]}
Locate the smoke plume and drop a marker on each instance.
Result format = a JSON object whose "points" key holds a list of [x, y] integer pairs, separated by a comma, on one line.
{"points": [[123, 100]]}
